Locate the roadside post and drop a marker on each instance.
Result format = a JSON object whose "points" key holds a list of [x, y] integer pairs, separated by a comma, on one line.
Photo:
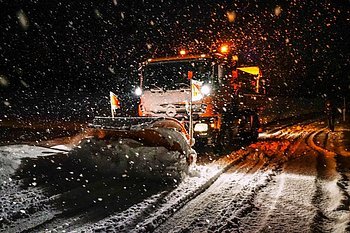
{"points": [[344, 110], [190, 75]]}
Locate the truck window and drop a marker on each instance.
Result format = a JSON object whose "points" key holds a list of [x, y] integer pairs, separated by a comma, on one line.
{"points": [[171, 75]]}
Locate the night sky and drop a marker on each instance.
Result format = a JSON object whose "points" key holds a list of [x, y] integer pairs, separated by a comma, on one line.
{"points": [[65, 56]]}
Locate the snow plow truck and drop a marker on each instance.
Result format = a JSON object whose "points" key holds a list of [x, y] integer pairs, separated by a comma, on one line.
{"points": [[190, 100]]}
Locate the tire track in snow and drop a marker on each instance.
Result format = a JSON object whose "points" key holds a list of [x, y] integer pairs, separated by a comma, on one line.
{"points": [[337, 142], [277, 131], [25, 209], [320, 219], [343, 183], [240, 202], [151, 224], [236, 221], [94, 205], [330, 195], [226, 188], [278, 205], [147, 215], [343, 167], [21, 208]]}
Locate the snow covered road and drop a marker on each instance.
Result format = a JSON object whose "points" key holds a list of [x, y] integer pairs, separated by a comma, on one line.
{"points": [[294, 179]]}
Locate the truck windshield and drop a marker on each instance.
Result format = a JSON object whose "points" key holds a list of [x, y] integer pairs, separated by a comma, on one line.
{"points": [[171, 75]]}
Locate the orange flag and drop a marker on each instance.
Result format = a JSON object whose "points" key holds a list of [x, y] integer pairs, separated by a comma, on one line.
{"points": [[196, 90], [115, 103]]}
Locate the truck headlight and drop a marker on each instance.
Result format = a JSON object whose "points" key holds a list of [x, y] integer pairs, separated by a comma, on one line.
{"points": [[205, 90], [201, 127], [138, 91]]}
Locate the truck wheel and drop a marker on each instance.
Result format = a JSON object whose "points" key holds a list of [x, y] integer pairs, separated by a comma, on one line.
{"points": [[255, 127], [249, 126], [224, 142]]}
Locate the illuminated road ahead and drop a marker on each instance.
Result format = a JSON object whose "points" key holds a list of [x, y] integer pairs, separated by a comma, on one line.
{"points": [[295, 179]]}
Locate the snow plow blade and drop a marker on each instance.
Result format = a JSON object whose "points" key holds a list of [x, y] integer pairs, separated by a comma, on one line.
{"points": [[150, 131]]}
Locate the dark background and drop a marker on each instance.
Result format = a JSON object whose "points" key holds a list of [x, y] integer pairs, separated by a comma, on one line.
{"points": [[60, 59]]}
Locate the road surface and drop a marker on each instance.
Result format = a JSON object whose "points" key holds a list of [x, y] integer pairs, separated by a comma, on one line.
{"points": [[294, 179]]}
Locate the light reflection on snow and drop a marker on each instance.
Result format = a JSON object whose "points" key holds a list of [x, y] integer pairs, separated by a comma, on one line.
{"points": [[203, 171], [266, 135], [297, 176]]}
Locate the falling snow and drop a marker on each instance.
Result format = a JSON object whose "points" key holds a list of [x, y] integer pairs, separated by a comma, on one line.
{"points": [[59, 61]]}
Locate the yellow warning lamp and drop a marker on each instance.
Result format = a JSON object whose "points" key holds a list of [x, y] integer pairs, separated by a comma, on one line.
{"points": [[224, 49], [182, 52], [234, 58]]}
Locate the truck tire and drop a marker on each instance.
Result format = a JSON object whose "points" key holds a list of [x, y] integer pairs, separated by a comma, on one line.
{"points": [[255, 124], [249, 126], [225, 142]]}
